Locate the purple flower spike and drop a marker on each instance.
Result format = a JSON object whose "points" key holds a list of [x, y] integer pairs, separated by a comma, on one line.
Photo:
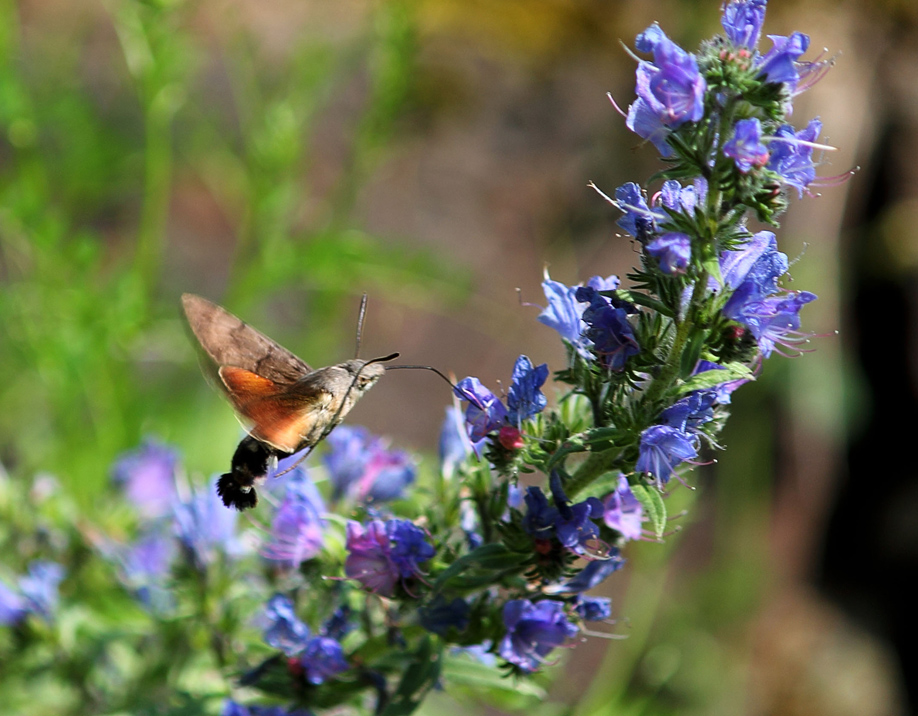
{"points": [[662, 449], [746, 148], [147, 476], [742, 22], [673, 250], [297, 531], [533, 630]]}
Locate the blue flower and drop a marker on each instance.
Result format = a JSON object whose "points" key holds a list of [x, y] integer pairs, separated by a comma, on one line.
{"points": [[670, 89], [13, 607], [540, 516], [722, 391], [775, 320], [570, 524], [779, 64], [623, 512], [691, 412], [409, 547], [524, 398], [608, 329], [297, 530], [440, 616], [39, 587], [792, 155], [144, 566], [593, 609], [231, 708], [284, 630], [674, 251], [382, 554], [322, 659], [594, 574], [205, 528], [147, 476], [752, 271], [677, 198], [533, 630], [746, 147], [564, 312], [485, 412], [369, 558], [361, 465], [662, 449], [742, 22], [638, 219], [574, 526]]}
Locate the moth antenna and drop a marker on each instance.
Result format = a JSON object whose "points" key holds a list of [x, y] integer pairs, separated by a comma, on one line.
{"points": [[361, 314]]}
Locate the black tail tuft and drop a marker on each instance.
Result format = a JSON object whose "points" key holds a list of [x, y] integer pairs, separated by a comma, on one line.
{"points": [[234, 495]]}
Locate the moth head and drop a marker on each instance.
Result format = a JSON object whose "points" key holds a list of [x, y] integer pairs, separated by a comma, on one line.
{"points": [[364, 374]]}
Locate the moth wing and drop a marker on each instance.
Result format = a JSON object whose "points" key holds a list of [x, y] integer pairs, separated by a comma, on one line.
{"points": [[230, 341], [272, 413]]}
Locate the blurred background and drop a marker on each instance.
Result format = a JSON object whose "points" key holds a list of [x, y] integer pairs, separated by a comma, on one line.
{"points": [[282, 157]]}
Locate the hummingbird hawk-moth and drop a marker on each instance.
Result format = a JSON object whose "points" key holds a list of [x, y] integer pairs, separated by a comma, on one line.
{"points": [[285, 405]]}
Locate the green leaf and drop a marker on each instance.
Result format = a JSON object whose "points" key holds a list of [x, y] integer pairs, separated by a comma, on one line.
{"points": [[692, 352], [710, 378], [642, 299], [712, 266], [492, 557], [652, 502], [419, 678]]}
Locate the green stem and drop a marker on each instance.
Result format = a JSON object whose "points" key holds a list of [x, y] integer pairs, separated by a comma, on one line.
{"points": [[597, 464]]}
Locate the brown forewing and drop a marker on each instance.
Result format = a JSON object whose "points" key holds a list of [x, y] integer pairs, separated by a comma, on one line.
{"points": [[229, 341]]}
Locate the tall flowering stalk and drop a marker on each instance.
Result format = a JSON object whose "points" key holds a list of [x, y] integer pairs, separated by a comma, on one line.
{"points": [[531, 507]]}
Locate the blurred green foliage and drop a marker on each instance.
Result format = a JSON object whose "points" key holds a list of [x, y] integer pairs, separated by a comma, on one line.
{"points": [[91, 258]]}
